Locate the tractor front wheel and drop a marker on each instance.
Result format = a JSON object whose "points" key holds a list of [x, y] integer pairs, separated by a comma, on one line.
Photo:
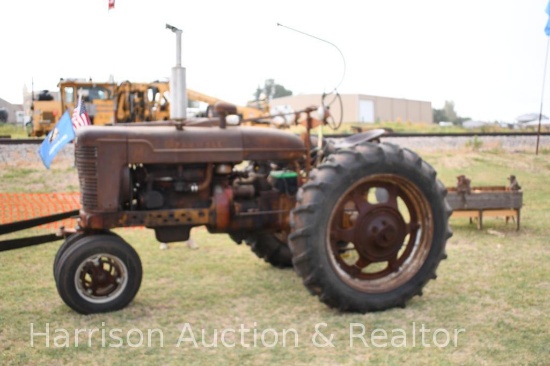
{"points": [[98, 273], [70, 240]]}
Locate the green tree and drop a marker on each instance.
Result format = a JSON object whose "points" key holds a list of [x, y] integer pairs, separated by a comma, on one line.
{"points": [[447, 113], [449, 109], [281, 91], [439, 115], [270, 90]]}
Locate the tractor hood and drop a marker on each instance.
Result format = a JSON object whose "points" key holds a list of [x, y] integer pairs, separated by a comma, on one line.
{"points": [[166, 144]]}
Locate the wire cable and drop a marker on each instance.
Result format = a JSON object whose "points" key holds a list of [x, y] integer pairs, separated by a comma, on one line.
{"points": [[322, 40]]}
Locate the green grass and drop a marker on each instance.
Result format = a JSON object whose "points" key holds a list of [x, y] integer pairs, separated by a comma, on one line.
{"points": [[15, 131], [417, 127], [35, 178], [495, 287]]}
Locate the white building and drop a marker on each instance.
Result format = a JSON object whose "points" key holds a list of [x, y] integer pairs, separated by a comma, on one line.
{"points": [[365, 108]]}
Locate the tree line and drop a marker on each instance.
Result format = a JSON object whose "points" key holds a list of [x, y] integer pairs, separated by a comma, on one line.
{"points": [[448, 114]]}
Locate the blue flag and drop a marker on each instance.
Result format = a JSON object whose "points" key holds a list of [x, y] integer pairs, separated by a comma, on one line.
{"points": [[547, 28], [61, 135]]}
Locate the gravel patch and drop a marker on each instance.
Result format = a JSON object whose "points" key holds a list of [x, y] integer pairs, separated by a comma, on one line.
{"points": [[26, 155]]}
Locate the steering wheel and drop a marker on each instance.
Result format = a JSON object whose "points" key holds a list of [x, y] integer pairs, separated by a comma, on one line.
{"points": [[324, 111]]}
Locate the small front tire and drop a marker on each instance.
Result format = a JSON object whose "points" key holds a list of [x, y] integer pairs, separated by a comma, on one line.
{"points": [[98, 273], [70, 240]]}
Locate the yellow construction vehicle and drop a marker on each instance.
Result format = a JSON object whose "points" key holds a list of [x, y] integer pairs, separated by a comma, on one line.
{"points": [[242, 111], [159, 93], [142, 102], [109, 103], [47, 109], [131, 103]]}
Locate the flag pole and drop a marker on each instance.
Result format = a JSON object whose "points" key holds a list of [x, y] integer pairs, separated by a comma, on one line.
{"points": [[547, 32], [542, 94]]}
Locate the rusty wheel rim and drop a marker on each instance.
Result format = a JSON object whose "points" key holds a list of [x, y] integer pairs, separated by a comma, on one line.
{"points": [[380, 233], [101, 278]]}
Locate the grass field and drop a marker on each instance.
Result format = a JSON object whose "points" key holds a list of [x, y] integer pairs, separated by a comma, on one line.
{"points": [[490, 301], [15, 131]]}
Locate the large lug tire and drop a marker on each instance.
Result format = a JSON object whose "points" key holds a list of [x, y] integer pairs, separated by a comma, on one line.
{"points": [[272, 248], [370, 228], [98, 273]]}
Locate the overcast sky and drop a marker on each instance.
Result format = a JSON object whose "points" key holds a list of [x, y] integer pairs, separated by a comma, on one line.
{"points": [[487, 56]]}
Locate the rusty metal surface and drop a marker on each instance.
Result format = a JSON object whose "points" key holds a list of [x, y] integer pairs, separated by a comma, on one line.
{"points": [[477, 202], [152, 218], [223, 202], [161, 177], [106, 151], [381, 223], [165, 144], [464, 196], [483, 199]]}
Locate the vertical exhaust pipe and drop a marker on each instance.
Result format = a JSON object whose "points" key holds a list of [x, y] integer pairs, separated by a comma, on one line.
{"points": [[178, 89]]}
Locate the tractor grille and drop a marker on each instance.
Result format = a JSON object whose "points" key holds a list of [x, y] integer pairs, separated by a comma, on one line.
{"points": [[86, 164]]}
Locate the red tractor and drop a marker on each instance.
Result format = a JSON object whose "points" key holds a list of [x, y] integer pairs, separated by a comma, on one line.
{"points": [[363, 222]]}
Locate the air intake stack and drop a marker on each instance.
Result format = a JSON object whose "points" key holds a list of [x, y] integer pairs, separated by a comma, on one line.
{"points": [[178, 89]]}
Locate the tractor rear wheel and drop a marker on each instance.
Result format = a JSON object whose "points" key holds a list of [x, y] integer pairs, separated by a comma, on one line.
{"points": [[272, 248], [370, 228], [98, 273]]}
